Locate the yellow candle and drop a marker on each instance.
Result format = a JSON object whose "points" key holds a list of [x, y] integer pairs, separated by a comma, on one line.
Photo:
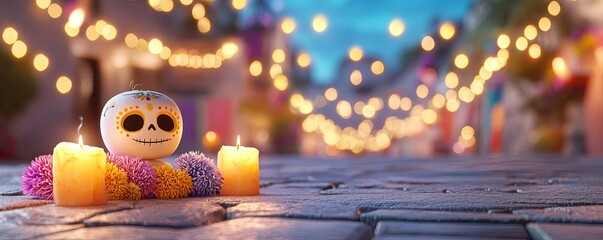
{"points": [[78, 175], [241, 170]]}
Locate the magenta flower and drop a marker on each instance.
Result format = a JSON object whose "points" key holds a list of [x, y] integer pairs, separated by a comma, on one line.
{"points": [[139, 172], [37, 178], [207, 180]]}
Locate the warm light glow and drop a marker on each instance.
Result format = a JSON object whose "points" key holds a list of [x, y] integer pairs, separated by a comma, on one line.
{"points": [[521, 43], [92, 34], [544, 24], [10, 35], [451, 80], [377, 67], [319, 23], [76, 18], [358, 106], [368, 111], [55, 10], [344, 109], [477, 87], [255, 68], [503, 41], [554, 8], [461, 61], [275, 70], [534, 51], [109, 32], [438, 101], [239, 4], [229, 49], [72, 32], [166, 52], [306, 107], [288, 25], [394, 101], [238, 141], [396, 27], [467, 132], [422, 91], [453, 104], [429, 116], [43, 4], [186, 2], [331, 94], [356, 77], [63, 84], [19, 49], [447, 30], [530, 32], [466, 95], [204, 25], [405, 103], [296, 100], [41, 62], [428, 43], [155, 46], [281, 82], [355, 53], [304, 60], [278, 55], [458, 148], [376, 102], [560, 68], [211, 136], [198, 11]]}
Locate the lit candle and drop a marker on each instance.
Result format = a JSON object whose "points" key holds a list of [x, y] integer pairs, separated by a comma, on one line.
{"points": [[241, 170], [78, 175]]}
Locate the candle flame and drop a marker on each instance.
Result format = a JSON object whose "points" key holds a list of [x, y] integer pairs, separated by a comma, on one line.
{"points": [[238, 141], [81, 142]]}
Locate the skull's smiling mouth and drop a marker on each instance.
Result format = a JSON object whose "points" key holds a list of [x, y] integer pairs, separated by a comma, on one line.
{"points": [[150, 141]]}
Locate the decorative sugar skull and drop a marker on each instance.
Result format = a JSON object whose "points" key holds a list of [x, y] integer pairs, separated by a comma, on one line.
{"points": [[140, 123]]}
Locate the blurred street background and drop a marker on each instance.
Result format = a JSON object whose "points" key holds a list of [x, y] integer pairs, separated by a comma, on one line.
{"points": [[335, 78]]}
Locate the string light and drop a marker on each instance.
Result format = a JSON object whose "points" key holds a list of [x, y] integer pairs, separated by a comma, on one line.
{"points": [[503, 41], [355, 53], [331, 94], [554, 8], [19, 49], [278, 55], [63, 84], [544, 24], [396, 27], [447, 30], [10, 35], [304, 60], [239, 4], [427, 43], [534, 51], [255, 68], [377, 67], [41, 62], [461, 61], [319, 23], [288, 25]]}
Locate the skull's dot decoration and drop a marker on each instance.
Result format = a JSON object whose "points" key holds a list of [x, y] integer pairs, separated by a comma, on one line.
{"points": [[142, 124]]}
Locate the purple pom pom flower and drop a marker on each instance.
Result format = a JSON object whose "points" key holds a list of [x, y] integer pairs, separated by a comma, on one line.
{"points": [[139, 172], [37, 178], [207, 180]]}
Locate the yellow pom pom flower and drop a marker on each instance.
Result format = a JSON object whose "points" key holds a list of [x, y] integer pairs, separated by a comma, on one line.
{"points": [[116, 182], [133, 192], [172, 183]]}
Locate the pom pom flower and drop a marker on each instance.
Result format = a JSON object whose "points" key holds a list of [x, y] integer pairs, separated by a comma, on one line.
{"points": [[139, 172], [207, 180], [37, 178], [116, 182], [172, 183], [132, 192]]}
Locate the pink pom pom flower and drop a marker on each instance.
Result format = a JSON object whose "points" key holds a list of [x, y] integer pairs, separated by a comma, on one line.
{"points": [[139, 172], [207, 180], [37, 178]]}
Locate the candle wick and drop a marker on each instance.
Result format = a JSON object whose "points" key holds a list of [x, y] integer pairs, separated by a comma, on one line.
{"points": [[80, 126]]}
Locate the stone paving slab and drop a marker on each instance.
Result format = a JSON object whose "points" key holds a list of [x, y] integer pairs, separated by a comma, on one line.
{"points": [[581, 214], [12, 232], [53, 215], [373, 217], [310, 210], [280, 228], [410, 230], [557, 231], [177, 213], [241, 228]]}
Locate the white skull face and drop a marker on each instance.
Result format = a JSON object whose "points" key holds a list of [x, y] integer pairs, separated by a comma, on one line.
{"points": [[142, 124]]}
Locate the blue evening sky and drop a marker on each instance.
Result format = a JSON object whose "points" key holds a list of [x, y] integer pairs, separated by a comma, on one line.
{"points": [[364, 23]]}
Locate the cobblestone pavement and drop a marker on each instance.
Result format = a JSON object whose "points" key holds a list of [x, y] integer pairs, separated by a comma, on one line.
{"points": [[539, 197]]}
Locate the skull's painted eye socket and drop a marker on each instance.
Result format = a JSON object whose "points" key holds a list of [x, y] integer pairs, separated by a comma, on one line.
{"points": [[165, 122], [133, 122]]}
